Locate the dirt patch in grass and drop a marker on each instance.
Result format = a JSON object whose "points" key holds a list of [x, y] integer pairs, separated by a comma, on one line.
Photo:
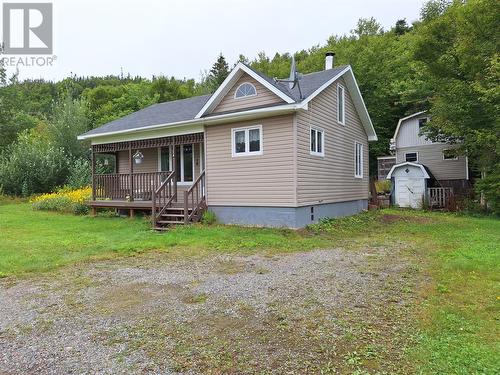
{"points": [[390, 219]]}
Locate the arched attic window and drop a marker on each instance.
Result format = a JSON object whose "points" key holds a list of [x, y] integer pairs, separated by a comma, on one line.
{"points": [[244, 90]]}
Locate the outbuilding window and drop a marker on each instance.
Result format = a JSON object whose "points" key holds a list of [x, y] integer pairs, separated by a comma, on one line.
{"points": [[412, 157], [317, 140], [449, 155], [247, 141], [358, 160], [244, 90]]}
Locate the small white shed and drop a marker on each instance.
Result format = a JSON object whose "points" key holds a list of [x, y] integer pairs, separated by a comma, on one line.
{"points": [[410, 182]]}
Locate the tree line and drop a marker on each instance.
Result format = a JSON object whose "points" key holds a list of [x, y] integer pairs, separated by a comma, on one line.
{"points": [[446, 62]]}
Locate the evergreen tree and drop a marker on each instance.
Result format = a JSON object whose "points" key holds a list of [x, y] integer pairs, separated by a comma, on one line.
{"points": [[218, 73], [401, 27]]}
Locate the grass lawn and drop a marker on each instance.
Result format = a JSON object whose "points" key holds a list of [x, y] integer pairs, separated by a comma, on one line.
{"points": [[458, 257]]}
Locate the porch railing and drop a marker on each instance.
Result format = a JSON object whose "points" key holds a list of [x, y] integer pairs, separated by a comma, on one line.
{"points": [[163, 196], [194, 198], [440, 197], [125, 186]]}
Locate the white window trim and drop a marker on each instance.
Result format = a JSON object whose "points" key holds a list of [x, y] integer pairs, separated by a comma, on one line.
{"points": [[411, 152], [361, 160], [246, 96], [315, 153], [202, 157], [181, 182], [427, 119], [247, 141], [343, 103], [448, 149]]}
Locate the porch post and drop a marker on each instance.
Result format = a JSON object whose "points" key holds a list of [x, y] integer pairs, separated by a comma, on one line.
{"points": [[174, 163], [92, 162], [131, 171]]}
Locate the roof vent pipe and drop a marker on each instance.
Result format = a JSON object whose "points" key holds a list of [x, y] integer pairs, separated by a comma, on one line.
{"points": [[329, 60]]}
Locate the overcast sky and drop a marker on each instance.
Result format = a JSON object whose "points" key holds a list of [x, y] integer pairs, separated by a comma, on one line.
{"points": [[183, 38]]}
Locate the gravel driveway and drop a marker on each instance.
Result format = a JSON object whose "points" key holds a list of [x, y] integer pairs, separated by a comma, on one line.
{"points": [[325, 311]]}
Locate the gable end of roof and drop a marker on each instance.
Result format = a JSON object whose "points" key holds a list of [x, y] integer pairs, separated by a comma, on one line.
{"points": [[357, 99], [231, 79]]}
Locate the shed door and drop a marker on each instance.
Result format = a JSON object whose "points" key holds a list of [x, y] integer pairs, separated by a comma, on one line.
{"points": [[409, 192]]}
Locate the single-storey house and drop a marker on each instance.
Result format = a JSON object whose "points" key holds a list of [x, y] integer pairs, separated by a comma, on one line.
{"points": [[258, 151]]}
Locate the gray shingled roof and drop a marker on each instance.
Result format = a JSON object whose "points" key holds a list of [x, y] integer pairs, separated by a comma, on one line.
{"points": [[187, 109], [156, 114], [308, 83]]}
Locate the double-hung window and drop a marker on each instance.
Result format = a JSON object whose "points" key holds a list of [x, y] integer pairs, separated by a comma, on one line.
{"points": [[411, 157], [341, 104], [247, 141], [317, 142], [358, 160]]}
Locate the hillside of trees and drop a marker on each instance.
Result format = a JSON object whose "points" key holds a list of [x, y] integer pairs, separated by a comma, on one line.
{"points": [[447, 62]]}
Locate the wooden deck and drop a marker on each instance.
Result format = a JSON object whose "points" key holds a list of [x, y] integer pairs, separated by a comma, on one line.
{"points": [[126, 205]]}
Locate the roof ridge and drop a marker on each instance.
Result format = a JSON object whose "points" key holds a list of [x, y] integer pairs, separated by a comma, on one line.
{"points": [[322, 71]]}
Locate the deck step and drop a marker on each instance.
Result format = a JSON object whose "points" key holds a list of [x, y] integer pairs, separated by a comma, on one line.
{"points": [[172, 215], [163, 229], [170, 221]]}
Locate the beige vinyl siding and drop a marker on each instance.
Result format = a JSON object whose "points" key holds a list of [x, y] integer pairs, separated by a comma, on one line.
{"points": [[149, 163], [432, 157], [257, 180], [330, 178], [263, 97]]}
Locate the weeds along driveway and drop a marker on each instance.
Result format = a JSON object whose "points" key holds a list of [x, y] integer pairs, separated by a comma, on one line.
{"points": [[327, 310]]}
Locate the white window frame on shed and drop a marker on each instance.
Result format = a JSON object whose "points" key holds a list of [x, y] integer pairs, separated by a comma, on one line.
{"points": [[422, 119], [448, 159], [411, 152], [245, 96], [314, 150], [247, 151], [358, 160], [341, 120]]}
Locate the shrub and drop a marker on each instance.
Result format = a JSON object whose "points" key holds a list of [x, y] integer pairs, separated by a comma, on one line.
{"points": [[64, 200], [80, 174], [80, 209], [383, 186], [209, 218], [490, 187], [56, 203], [32, 165]]}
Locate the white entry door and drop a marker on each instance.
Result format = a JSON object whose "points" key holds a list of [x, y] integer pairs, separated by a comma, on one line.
{"points": [[409, 192]]}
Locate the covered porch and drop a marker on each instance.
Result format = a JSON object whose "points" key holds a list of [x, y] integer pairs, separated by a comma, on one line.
{"points": [[154, 174]]}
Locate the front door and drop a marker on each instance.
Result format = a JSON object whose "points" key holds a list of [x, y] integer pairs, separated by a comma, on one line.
{"points": [[184, 162]]}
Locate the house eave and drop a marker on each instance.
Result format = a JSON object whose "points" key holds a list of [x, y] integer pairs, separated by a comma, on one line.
{"points": [[213, 120]]}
